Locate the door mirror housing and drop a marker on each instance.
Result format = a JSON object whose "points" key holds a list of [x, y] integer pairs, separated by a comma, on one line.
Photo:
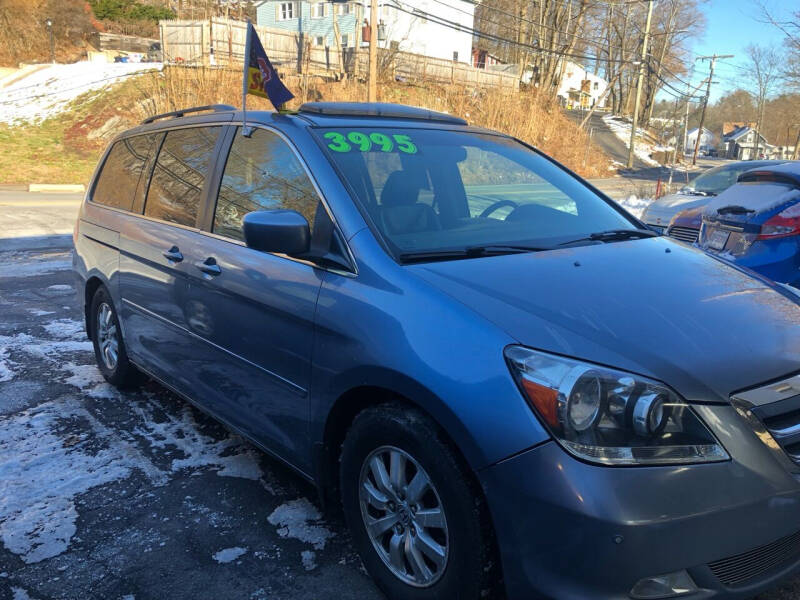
{"points": [[280, 231]]}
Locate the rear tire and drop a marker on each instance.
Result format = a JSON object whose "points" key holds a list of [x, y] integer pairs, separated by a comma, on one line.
{"points": [[419, 521], [109, 347]]}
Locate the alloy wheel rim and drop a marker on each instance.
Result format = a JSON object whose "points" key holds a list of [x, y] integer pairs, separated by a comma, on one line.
{"points": [[403, 516], [107, 339]]}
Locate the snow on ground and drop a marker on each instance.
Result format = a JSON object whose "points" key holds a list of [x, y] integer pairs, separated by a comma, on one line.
{"points": [[48, 91], [43, 470], [298, 519], [227, 555], [309, 560], [27, 264], [622, 129], [635, 205]]}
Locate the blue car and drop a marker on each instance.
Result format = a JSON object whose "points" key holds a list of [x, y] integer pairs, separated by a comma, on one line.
{"points": [[756, 223], [511, 386]]}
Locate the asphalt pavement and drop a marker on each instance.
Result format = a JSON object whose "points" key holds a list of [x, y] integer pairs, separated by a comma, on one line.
{"points": [[136, 495]]}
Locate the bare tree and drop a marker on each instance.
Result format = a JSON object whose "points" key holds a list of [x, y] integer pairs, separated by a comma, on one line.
{"points": [[763, 69]]}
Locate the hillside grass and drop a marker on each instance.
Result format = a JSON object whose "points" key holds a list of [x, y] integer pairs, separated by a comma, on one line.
{"points": [[66, 147]]}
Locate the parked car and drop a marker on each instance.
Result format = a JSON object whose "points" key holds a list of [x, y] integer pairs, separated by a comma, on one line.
{"points": [[154, 53], [509, 383], [756, 223], [685, 226], [708, 184]]}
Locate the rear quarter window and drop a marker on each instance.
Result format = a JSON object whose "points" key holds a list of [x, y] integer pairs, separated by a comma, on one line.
{"points": [[116, 185]]}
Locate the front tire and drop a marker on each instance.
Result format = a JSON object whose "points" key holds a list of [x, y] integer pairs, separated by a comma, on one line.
{"points": [[417, 517], [109, 347]]}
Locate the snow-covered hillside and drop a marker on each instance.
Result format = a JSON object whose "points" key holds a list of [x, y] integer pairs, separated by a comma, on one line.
{"points": [[48, 91]]}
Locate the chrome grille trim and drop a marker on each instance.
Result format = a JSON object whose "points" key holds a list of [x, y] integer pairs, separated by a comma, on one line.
{"points": [[773, 412], [743, 568], [684, 234]]}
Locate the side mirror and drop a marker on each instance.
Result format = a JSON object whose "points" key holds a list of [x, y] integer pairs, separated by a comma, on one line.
{"points": [[281, 231]]}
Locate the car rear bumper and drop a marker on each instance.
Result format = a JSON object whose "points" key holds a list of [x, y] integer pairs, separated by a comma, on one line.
{"points": [[777, 259], [569, 530]]}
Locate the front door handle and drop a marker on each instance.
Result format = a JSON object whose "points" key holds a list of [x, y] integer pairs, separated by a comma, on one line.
{"points": [[173, 254], [209, 266]]}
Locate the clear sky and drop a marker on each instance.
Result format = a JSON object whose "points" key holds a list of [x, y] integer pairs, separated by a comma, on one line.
{"points": [[731, 26]]}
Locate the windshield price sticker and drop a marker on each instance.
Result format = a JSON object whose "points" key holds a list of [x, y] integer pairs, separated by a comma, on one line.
{"points": [[369, 142]]}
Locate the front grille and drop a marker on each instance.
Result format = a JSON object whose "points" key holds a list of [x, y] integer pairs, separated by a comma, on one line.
{"points": [[743, 568], [774, 413], [684, 234]]}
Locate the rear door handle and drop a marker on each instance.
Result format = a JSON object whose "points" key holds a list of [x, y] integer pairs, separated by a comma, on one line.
{"points": [[209, 266], [173, 254]]}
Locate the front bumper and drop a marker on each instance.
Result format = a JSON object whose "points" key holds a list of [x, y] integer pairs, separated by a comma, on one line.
{"points": [[570, 530]]}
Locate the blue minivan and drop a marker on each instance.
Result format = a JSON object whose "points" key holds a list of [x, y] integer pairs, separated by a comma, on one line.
{"points": [[511, 385]]}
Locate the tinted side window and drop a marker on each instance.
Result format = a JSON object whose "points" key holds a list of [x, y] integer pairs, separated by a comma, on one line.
{"points": [[179, 174], [262, 173], [116, 185]]}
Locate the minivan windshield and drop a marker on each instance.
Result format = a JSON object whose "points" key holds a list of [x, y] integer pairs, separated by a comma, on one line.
{"points": [[434, 191]]}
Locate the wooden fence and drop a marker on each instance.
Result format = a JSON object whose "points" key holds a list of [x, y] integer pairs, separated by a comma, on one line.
{"points": [[222, 42]]}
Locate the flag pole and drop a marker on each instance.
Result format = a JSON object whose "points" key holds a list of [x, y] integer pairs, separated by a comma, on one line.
{"points": [[246, 131]]}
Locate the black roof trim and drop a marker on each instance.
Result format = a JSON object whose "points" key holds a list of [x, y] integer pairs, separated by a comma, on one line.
{"points": [[179, 113], [377, 109]]}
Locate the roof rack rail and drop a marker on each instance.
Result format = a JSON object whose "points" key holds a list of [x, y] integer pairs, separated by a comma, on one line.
{"points": [[378, 109], [179, 113]]}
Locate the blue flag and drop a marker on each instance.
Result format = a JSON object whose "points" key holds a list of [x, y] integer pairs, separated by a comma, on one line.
{"points": [[260, 78]]}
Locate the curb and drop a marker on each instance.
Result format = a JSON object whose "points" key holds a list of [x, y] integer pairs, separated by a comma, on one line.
{"points": [[53, 187]]}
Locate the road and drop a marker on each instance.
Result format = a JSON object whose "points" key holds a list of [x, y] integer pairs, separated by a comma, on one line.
{"points": [[136, 495]]}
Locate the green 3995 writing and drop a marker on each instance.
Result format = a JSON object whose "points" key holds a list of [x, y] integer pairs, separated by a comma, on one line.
{"points": [[365, 142]]}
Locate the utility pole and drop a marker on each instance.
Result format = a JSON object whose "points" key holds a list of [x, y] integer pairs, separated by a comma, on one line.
{"points": [[713, 60], [638, 101], [372, 95]]}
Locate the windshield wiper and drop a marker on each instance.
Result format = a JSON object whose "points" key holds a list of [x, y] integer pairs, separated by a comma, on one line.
{"points": [[734, 209], [614, 235], [469, 252]]}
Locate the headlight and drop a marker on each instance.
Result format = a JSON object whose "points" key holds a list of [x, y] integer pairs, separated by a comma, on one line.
{"points": [[611, 417]]}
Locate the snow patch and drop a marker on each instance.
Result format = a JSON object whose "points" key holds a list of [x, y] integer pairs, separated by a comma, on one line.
{"points": [[24, 264], [227, 555], [309, 560], [49, 91], [622, 129], [63, 329], [299, 519], [635, 205]]}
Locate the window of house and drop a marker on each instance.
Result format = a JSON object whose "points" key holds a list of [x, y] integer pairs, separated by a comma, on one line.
{"points": [[343, 9], [262, 173], [455, 56], [176, 187], [319, 40], [596, 85], [319, 10], [116, 186], [345, 40], [285, 11]]}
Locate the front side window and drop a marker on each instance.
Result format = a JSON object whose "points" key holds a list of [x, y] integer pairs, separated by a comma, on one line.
{"points": [[116, 185], [429, 190], [262, 173], [176, 187]]}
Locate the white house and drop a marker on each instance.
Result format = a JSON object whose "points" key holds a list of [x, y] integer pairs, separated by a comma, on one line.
{"points": [[405, 25], [581, 88], [707, 141]]}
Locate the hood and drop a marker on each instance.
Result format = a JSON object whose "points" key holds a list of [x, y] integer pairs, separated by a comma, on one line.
{"points": [[649, 306], [661, 211]]}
